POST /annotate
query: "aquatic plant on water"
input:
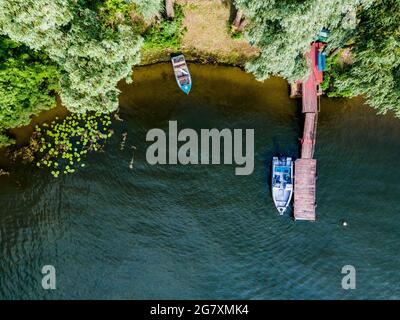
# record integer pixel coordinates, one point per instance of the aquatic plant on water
(61, 146)
(4, 173)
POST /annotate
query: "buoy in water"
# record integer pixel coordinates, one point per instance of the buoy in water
(344, 223)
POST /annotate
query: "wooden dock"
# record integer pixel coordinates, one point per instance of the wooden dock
(309, 135)
(305, 169)
(305, 189)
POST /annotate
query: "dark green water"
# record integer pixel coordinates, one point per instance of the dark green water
(200, 231)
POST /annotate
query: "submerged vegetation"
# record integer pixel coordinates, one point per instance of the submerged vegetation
(61, 146)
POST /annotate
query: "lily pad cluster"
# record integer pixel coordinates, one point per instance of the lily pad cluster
(63, 145)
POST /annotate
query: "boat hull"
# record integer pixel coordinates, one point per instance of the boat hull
(182, 74)
(282, 183)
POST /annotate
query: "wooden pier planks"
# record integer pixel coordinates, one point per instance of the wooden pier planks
(309, 88)
(305, 171)
(309, 136)
(315, 77)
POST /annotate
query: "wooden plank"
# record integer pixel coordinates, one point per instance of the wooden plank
(309, 88)
(305, 169)
(316, 47)
(309, 135)
(304, 189)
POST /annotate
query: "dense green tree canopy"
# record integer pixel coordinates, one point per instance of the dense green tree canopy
(83, 48)
(92, 55)
(375, 68)
(28, 81)
(147, 8)
(283, 31)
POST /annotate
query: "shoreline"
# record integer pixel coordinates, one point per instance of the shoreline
(23, 134)
(205, 41)
(153, 57)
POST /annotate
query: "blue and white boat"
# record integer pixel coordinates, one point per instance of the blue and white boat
(282, 182)
(182, 74)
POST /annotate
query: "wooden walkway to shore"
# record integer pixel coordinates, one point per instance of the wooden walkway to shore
(309, 135)
(305, 169)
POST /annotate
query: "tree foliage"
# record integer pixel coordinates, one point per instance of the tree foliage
(166, 33)
(375, 69)
(147, 8)
(95, 60)
(92, 56)
(28, 81)
(135, 12)
(283, 31)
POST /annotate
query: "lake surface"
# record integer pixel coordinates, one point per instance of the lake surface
(200, 231)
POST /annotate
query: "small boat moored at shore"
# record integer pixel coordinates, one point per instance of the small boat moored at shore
(282, 182)
(181, 72)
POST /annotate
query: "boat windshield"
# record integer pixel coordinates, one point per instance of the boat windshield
(178, 59)
(282, 169)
